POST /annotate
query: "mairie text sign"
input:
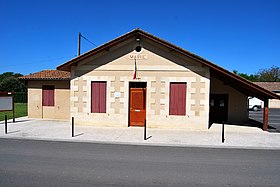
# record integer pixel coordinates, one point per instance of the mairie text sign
(138, 56)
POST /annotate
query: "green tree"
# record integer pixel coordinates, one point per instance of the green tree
(9, 82)
(5, 75)
(252, 77)
(9, 74)
(12, 84)
(264, 75)
(270, 74)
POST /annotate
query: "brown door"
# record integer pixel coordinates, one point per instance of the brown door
(218, 108)
(137, 106)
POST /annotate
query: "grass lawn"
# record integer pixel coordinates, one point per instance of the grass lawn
(20, 110)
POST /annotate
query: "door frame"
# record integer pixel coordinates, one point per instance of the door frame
(226, 102)
(131, 86)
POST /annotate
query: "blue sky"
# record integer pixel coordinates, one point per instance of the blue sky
(236, 34)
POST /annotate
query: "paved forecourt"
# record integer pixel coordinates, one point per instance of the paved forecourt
(235, 136)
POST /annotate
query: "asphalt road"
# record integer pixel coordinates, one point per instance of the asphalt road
(273, 118)
(42, 163)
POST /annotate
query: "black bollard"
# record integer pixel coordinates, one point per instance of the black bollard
(73, 127)
(14, 116)
(145, 129)
(6, 124)
(223, 132)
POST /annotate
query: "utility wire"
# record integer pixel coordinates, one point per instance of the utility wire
(43, 61)
(88, 40)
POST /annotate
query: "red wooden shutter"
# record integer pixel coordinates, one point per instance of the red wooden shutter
(172, 99)
(51, 97)
(48, 95)
(44, 97)
(94, 97)
(177, 98)
(181, 99)
(98, 97)
(102, 97)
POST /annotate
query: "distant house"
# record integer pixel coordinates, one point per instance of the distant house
(138, 78)
(273, 87)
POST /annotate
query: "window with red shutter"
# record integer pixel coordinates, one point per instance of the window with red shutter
(177, 98)
(48, 95)
(98, 96)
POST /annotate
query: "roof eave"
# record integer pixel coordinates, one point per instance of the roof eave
(67, 66)
(44, 79)
(210, 65)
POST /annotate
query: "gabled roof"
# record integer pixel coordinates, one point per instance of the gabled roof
(271, 86)
(48, 75)
(226, 76)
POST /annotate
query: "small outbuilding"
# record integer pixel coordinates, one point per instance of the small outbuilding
(48, 94)
(138, 78)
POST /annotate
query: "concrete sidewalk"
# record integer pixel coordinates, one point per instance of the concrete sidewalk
(235, 136)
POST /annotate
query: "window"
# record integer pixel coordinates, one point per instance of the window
(48, 95)
(177, 98)
(98, 97)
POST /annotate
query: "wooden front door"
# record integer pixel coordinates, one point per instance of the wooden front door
(137, 105)
(218, 108)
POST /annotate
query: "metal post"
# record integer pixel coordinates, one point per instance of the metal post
(14, 116)
(145, 129)
(6, 124)
(13, 107)
(73, 127)
(223, 132)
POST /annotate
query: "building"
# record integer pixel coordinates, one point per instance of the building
(138, 78)
(48, 94)
(273, 87)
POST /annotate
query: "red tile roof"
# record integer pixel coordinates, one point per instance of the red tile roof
(48, 75)
(271, 86)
